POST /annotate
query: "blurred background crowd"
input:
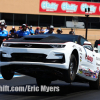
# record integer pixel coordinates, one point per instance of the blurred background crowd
(26, 30)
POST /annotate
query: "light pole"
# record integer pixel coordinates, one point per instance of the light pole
(87, 15)
(75, 22)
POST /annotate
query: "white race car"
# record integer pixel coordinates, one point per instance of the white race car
(51, 57)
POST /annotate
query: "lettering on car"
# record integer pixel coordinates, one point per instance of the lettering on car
(89, 58)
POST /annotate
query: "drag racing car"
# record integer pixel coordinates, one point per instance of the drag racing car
(51, 57)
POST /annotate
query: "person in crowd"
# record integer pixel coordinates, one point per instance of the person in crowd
(3, 33)
(23, 32)
(31, 30)
(27, 28)
(20, 28)
(13, 30)
(41, 30)
(72, 32)
(37, 31)
(51, 30)
(59, 31)
(12, 35)
(6, 27)
(46, 30)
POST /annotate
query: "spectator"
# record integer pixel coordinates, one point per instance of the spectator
(72, 32)
(51, 29)
(46, 30)
(3, 33)
(12, 35)
(5, 26)
(20, 28)
(31, 30)
(37, 31)
(23, 32)
(41, 30)
(59, 31)
(13, 30)
(27, 28)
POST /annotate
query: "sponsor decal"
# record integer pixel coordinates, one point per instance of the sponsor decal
(97, 68)
(62, 6)
(99, 8)
(85, 5)
(80, 53)
(89, 58)
(80, 58)
(65, 6)
(45, 5)
(88, 72)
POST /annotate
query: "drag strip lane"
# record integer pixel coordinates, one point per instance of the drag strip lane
(75, 91)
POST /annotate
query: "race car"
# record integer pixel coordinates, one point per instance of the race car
(51, 57)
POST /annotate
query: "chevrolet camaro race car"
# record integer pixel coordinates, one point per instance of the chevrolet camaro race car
(65, 57)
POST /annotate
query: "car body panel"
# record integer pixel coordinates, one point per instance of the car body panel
(88, 62)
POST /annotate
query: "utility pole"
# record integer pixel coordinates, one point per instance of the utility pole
(87, 15)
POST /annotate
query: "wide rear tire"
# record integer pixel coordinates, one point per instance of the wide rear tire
(71, 72)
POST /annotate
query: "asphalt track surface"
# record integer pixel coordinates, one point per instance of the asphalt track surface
(74, 91)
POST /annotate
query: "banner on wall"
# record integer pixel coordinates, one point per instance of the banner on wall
(73, 7)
